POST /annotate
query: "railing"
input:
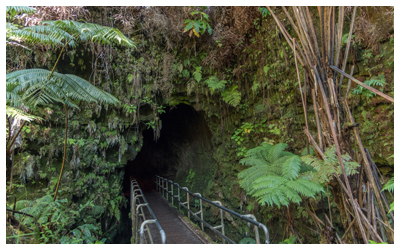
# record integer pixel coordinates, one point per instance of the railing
(162, 186)
(136, 205)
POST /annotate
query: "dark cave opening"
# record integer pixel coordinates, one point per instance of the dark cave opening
(182, 125)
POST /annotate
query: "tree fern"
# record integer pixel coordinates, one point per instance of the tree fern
(275, 176)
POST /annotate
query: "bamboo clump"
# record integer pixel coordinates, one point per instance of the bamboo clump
(325, 64)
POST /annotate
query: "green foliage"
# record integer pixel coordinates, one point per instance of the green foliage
(190, 176)
(198, 26)
(374, 242)
(264, 12)
(276, 177)
(64, 88)
(327, 168)
(389, 186)
(290, 240)
(197, 74)
(247, 241)
(129, 108)
(215, 85)
(232, 96)
(373, 82)
(82, 234)
(13, 10)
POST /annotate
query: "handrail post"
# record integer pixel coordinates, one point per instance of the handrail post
(172, 193)
(251, 216)
(201, 211)
(134, 215)
(179, 197)
(137, 219)
(222, 220)
(187, 201)
(142, 229)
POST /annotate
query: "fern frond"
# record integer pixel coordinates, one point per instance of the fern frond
(40, 90)
(291, 167)
(19, 114)
(276, 151)
(389, 186)
(305, 187)
(92, 32)
(20, 9)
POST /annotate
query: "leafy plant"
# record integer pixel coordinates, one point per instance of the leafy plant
(247, 241)
(327, 168)
(276, 177)
(389, 186)
(232, 96)
(215, 85)
(290, 240)
(198, 26)
(373, 82)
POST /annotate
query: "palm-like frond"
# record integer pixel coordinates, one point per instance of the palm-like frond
(273, 177)
(19, 114)
(20, 9)
(60, 88)
(91, 32)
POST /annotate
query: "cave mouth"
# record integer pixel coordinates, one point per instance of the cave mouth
(183, 129)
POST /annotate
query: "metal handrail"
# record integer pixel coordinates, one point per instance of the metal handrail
(136, 193)
(248, 218)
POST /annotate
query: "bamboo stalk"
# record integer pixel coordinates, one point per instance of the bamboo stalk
(363, 84)
(339, 35)
(317, 118)
(347, 47)
(349, 228)
(349, 83)
(319, 151)
(348, 220)
(330, 224)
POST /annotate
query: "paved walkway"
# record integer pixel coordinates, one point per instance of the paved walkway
(176, 231)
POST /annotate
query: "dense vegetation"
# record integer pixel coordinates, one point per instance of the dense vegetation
(295, 143)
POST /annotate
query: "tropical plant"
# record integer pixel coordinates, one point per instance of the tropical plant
(275, 176)
(232, 96)
(198, 26)
(389, 186)
(215, 85)
(329, 167)
(373, 82)
(42, 86)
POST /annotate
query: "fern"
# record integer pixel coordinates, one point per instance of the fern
(373, 82)
(327, 168)
(40, 210)
(215, 85)
(13, 10)
(275, 176)
(63, 88)
(232, 96)
(19, 114)
(389, 186)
